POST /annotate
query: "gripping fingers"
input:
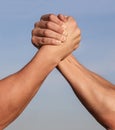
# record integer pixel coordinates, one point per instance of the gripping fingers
(44, 41)
(53, 18)
(62, 17)
(49, 25)
(48, 34)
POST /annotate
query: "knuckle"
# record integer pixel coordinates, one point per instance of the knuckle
(51, 16)
(45, 33)
(33, 32)
(48, 24)
(52, 41)
(33, 39)
(60, 30)
(43, 40)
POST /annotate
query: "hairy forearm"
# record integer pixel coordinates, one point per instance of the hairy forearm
(96, 93)
(17, 90)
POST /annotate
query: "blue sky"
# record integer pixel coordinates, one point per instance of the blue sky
(55, 106)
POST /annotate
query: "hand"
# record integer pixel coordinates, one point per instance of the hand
(48, 31)
(72, 31)
(57, 30)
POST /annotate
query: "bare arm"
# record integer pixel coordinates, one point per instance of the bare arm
(17, 90)
(96, 93)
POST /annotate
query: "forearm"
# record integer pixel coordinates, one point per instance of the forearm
(95, 93)
(17, 90)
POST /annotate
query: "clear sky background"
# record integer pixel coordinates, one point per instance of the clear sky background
(56, 107)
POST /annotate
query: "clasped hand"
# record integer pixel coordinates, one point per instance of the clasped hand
(62, 32)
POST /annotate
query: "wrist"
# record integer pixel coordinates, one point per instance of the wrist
(49, 55)
(68, 58)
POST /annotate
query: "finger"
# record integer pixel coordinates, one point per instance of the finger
(49, 25)
(62, 17)
(49, 34)
(53, 18)
(44, 41)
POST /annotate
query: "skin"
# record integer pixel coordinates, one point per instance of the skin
(95, 93)
(17, 90)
